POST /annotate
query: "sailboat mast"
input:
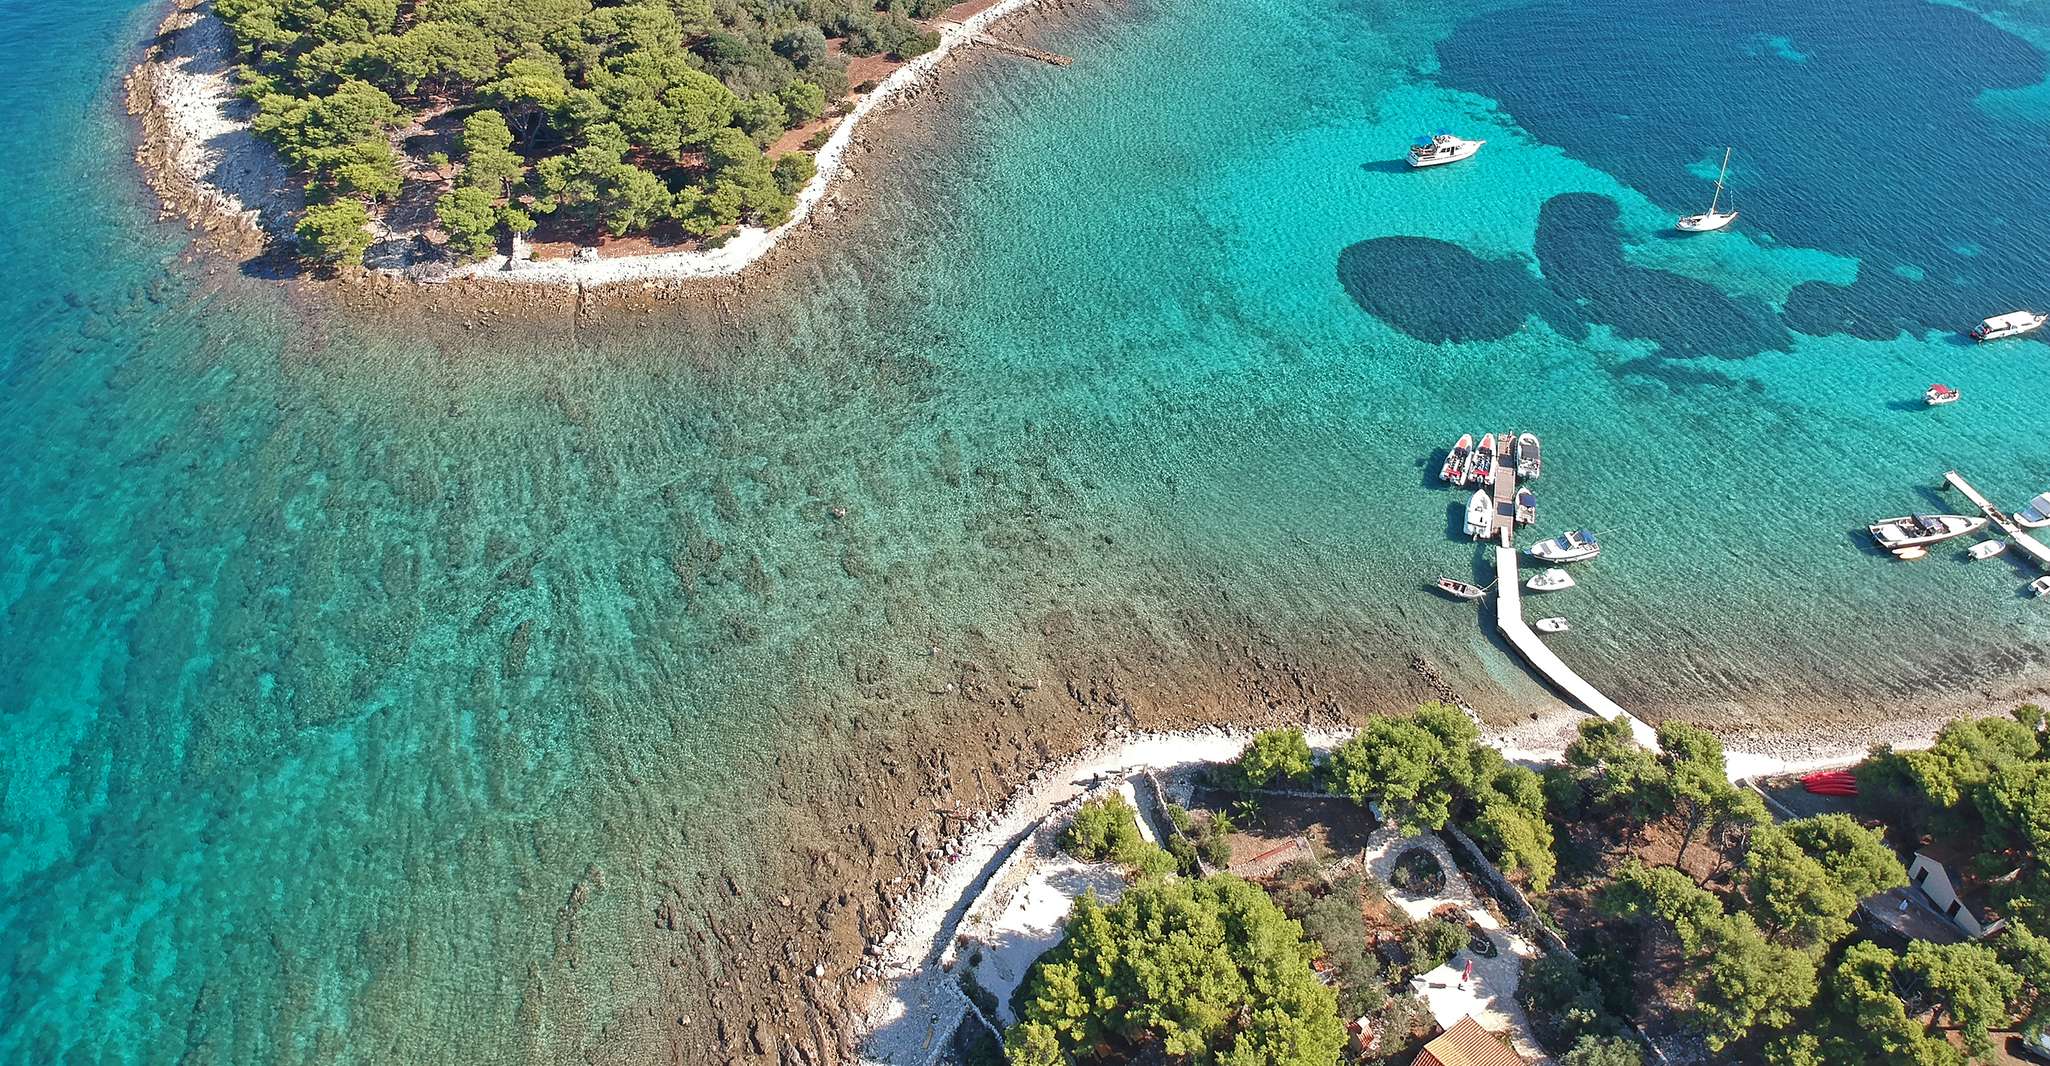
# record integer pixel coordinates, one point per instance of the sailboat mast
(1718, 197)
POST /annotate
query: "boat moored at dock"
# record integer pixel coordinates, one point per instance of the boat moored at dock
(1457, 589)
(1480, 515)
(1528, 463)
(1922, 530)
(2011, 324)
(1551, 625)
(1455, 461)
(1986, 549)
(2041, 586)
(2036, 515)
(1526, 507)
(1441, 148)
(1550, 580)
(1573, 547)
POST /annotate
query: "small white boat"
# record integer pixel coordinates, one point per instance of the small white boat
(2041, 586)
(1441, 148)
(1480, 515)
(1551, 625)
(1464, 590)
(1550, 580)
(1568, 548)
(2036, 515)
(1455, 461)
(1528, 463)
(1711, 219)
(1986, 549)
(2011, 324)
(1921, 530)
(1526, 507)
(1940, 394)
(1909, 555)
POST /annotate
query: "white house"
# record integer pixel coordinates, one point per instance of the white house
(1950, 894)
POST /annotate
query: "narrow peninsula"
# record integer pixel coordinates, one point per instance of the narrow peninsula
(548, 141)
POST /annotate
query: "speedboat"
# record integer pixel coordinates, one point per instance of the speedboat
(1551, 625)
(1455, 463)
(1940, 394)
(1441, 148)
(1550, 580)
(2036, 515)
(1480, 515)
(1463, 590)
(1528, 467)
(2041, 586)
(2011, 324)
(1526, 507)
(1921, 530)
(1482, 468)
(1711, 219)
(1986, 549)
(1567, 548)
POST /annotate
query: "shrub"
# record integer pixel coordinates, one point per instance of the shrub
(1103, 830)
(335, 233)
(1432, 943)
(1277, 754)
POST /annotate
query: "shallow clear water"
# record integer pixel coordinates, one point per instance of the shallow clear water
(334, 665)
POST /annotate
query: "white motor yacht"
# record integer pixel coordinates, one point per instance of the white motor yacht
(1549, 580)
(1480, 515)
(1568, 548)
(1529, 464)
(2036, 515)
(1921, 530)
(1441, 148)
(2011, 324)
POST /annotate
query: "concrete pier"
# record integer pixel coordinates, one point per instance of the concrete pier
(2035, 549)
(1509, 620)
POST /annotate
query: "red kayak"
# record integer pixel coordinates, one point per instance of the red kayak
(1831, 783)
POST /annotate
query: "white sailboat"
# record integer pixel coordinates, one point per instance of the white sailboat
(1711, 219)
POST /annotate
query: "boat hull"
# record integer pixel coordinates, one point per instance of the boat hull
(1891, 535)
(1984, 334)
(1439, 159)
(1705, 223)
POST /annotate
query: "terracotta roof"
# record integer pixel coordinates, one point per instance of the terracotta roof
(1467, 1044)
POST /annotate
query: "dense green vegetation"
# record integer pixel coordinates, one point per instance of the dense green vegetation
(1106, 829)
(613, 115)
(1429, 767)
(1688, 901)
(1210, 970)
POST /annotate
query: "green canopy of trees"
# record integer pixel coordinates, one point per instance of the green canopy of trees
(1428, 767)
(1277, 754)
(620, 114)
(1212, 970)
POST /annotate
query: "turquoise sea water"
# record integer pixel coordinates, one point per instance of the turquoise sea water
(357, 698)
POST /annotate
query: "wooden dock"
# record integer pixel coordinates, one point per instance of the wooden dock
(1509, 620)
(1505, 497)
(2035, 549)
